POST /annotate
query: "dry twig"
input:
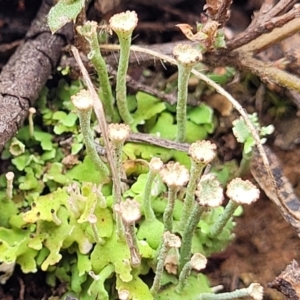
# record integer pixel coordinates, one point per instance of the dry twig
(219, 89)
(98, 108)
(264, 21)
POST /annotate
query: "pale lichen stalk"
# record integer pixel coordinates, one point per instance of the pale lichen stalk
(185, 251)
(118, 133)
(186, 57)
(201, 153)
(89, 31)
(130, 211)
(155, 166)
(92, 219)
(239, 192)
(255, 290)
(32, 111)
(209, 194)
(175, 176)
(123, 25)
(169, 241)
(9, 185)
(197, 262)
(84, 104)
(168, 213)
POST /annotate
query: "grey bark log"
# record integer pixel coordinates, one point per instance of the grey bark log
(27, 71)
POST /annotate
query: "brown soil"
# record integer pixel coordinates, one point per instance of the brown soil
(264, 245)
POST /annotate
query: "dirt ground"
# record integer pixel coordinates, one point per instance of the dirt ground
(264, 245)
(264, 242)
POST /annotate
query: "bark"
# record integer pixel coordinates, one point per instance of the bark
(288, 282)
(27, 71)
